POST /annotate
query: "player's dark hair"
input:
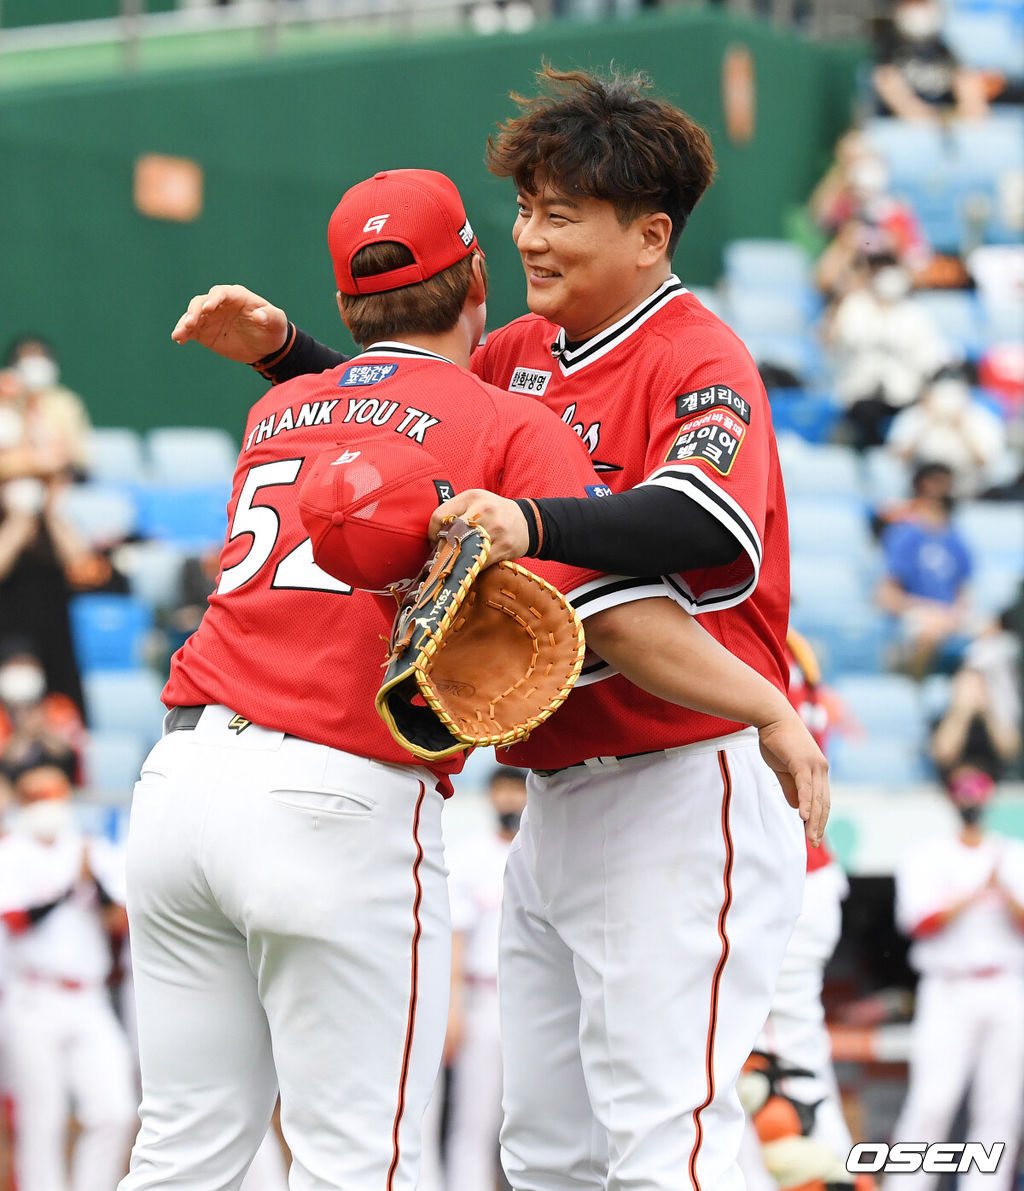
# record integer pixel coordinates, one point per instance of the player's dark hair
(506, 773)
(606, 139)
(428, 307)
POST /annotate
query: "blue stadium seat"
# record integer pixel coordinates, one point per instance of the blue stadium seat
(996, 586)
(848, 637)
(811, 415)
(802, 355)
(116, 455)
(111, 760)
(830, 527)
(956, 316)
(191, 456)
(154, 572)
(124, 701)
(994, 530)
(831, 583)
(886, 477)
(884, 762)
(760, 311)
(765, 263)
(823, 471)
(102, 513)
(883, 705)
(989, 37)
(109, 630)
(193, 518)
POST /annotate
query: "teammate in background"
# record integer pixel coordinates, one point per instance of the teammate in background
(326, 933)
(61, 902)
(622, 1048)
(477, 871)
(795, 1035)
(961, 901)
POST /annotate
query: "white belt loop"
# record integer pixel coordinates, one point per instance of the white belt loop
(599, 762)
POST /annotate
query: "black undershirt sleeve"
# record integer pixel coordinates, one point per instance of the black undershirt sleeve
(300, 354)
(650, 530)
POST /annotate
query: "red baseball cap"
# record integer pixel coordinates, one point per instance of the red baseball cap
(421, 209)
(366, 504)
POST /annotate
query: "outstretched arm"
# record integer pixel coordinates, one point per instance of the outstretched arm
(233, 322)
(240, 325)
(661, 648)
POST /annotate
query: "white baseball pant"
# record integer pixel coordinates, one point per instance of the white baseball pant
(290, 930)
(647, 907)
(967, 1030)
(66, 1043)
(796, 1030)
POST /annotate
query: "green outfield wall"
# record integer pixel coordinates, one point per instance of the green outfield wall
(279, 140)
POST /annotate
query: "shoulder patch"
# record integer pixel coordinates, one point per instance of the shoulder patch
(714, 437)
(714, 396)
(366, 374)
(598, 490)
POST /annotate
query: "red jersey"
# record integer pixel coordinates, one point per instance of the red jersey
(668, 395)
(288, 646)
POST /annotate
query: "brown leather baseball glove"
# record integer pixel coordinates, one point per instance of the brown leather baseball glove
(479, 655)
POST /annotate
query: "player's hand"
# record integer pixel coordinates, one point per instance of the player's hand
(789, 749)
(503, 519)
(233, 322)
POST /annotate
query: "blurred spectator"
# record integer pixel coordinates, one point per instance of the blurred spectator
(916, 75)
(961, 901)
(980, 730)
(852, 206)
(948, 426)
(885, 349)
(927, 568)
(30, 715)
(56, 419)
(61, 901)
(37, 548)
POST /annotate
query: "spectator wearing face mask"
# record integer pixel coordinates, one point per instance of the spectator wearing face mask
(41, 557)
(948, 426)
(61, 900)
(853, 207)
(56, 419)
(927, 570)
(30, 714)
(884, 348)
(916, 75)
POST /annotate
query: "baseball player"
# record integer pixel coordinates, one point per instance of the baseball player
(795, 1034)
(60, 895)
(287, 884)
(961, 901)
(477, 870)
(622, 1046)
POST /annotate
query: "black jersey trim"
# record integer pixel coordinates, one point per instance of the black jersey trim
(569, 360)
(389, 348)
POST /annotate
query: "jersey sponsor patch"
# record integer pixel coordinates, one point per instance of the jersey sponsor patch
(529, 380)
(714, 437)
(598, 490)
(714, 396)
(366, 374)
(444, 489)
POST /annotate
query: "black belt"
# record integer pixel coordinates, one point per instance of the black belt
(597, 761)
(183, 719)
